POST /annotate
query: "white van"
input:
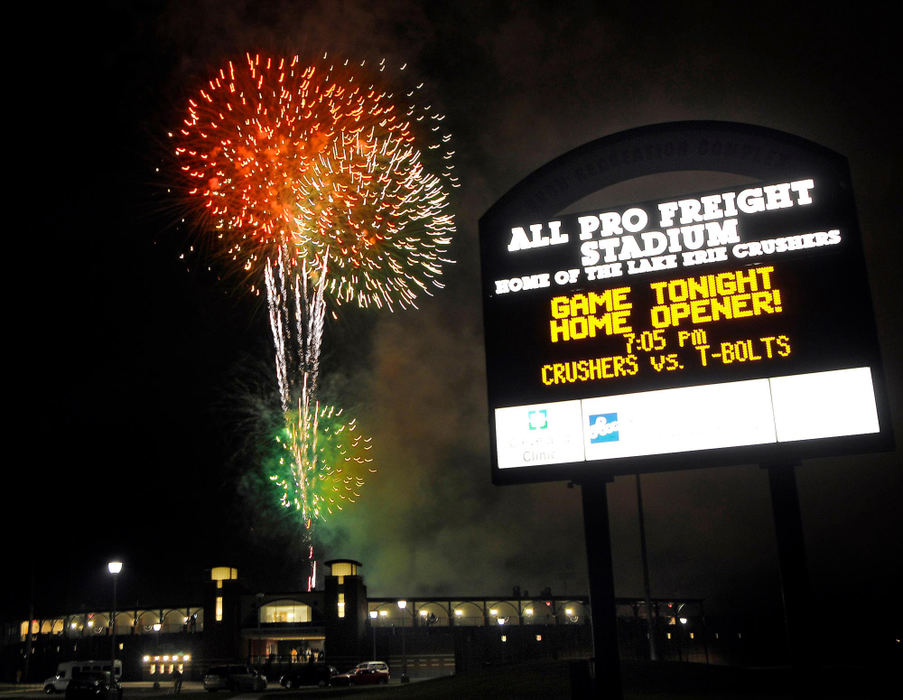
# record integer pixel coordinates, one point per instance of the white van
(66, 669)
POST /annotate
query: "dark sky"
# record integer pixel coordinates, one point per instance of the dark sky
(135, 375)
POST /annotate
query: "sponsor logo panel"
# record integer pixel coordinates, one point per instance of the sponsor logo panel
(539, 434)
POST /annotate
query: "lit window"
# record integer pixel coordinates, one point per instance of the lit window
(341, 605)
(219, 608)
(223, 573)
(285, 611)
(341, 569)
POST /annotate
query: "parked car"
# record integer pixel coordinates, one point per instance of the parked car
(93, 685)
(66, 669)
(366, 673)
(308, 674)
(234, 677)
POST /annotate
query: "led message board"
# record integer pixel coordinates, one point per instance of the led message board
(713, 327)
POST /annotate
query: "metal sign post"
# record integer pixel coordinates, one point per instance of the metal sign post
(607, 672)
(796, 588)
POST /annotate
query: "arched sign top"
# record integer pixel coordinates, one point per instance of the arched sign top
(712, 327)
(718, 146)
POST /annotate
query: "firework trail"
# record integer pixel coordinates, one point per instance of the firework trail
(322, 182)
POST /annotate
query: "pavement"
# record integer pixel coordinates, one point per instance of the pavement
(129, 687)
(146, 690)
(549, 680)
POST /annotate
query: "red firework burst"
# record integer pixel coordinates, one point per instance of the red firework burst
(326, 163)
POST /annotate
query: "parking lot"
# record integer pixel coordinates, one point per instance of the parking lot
(146, 691)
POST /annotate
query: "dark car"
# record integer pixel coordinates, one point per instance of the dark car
(308, 674)
(93, 685)
(366, 673)
(234, 677)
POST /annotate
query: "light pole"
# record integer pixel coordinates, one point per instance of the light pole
(157, 627)
(114, 567)
(402, 604)
(373, 615)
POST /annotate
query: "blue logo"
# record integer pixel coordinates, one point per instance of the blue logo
(603, 427)
(539, 420)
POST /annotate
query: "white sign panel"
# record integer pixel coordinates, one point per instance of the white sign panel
(731, 414)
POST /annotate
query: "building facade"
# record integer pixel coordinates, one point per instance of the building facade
(338, 624)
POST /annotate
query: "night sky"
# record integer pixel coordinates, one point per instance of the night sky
(137, 371)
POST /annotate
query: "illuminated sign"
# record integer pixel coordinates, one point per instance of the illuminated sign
(720, 326)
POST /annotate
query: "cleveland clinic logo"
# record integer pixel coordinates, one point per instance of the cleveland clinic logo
(538, 420)
(603, 427)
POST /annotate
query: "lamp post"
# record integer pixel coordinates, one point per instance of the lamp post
(114, 567)
(402, 604)
(157, 627)
(373, 615)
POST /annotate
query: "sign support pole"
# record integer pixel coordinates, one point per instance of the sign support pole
(796, 587)
(650, 620)
(607, 676)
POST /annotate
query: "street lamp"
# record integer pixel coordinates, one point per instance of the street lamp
(402, 604)
(114, 567)
(373, 615)
(157, 628)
